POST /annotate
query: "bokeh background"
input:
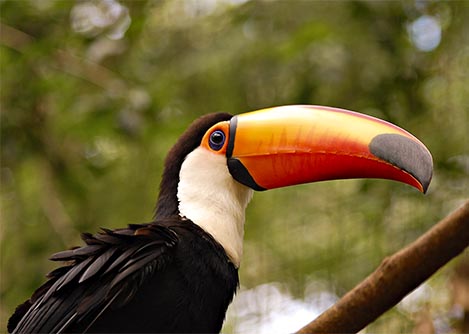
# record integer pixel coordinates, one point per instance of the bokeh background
(95, 92)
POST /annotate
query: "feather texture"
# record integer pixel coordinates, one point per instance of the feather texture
(99, 271)
(168, 267)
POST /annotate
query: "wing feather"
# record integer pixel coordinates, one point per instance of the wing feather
(144, 260)
(73, 273)
(98, 264)
(107, 271)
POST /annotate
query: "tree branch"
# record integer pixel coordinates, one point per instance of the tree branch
(396, 276)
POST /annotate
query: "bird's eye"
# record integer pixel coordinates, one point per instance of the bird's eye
(217, 139)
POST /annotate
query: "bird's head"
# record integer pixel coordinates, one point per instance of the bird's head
(217, 163)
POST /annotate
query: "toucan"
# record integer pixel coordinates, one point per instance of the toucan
(179, 273)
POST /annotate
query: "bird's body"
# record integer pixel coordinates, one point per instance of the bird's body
(193, 287)
(179, 273)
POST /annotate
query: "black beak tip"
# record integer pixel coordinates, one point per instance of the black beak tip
(406, 154)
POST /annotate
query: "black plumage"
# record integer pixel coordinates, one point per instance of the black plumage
(165, 276)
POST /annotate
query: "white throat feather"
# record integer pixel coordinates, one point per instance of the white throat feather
(210, 197)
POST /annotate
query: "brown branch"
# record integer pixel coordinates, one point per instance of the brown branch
(14, 38)
(397, 275)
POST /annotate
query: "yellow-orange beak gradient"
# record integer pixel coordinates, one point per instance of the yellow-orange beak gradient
(289, 145)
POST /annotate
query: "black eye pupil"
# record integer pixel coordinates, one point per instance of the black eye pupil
(217, 139)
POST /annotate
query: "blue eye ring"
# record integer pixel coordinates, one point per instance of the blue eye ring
(217, 140)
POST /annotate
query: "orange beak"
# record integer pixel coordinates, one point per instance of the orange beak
(289, 145)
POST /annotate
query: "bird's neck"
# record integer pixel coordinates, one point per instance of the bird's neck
(212, 199)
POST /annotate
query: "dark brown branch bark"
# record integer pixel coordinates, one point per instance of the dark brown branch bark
(397, 275)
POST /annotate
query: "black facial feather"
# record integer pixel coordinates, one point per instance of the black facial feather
(167, 204)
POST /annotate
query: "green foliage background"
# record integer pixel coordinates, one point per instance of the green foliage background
(89, 110)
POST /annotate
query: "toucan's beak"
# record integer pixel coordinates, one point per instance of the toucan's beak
(289, 145)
